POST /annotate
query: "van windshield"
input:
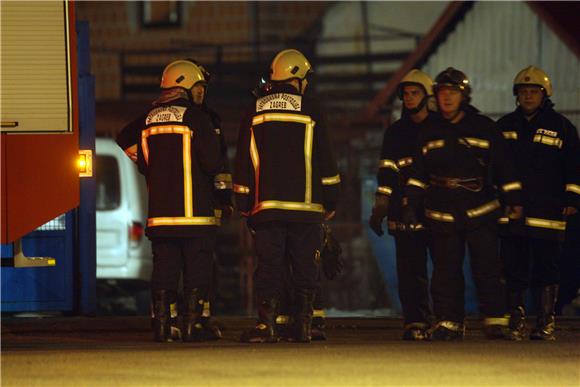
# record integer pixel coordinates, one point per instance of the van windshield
(107, 176)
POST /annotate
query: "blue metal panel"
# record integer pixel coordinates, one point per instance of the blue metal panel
(41, 288)
(86, 221)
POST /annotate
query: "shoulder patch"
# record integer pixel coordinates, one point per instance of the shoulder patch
(164, 114)
(279, 101)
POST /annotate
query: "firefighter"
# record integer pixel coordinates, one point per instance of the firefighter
(456, 167)
(547, 152)
(284, 319)
(176, 149)
(415, 90)
(286, 183)
(222, 192)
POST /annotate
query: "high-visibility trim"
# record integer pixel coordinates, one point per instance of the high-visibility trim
(546, 223)
(308, 141)
(290, 206)
(386, 163)
(256, 163)
(318, 313)
(218, 216)
(433, 145)
(440, 216)
(132, 152)
(384, 190)
(186, 134)
(162, 129)
(416, 183)
(478, 142)
(513, 186)
(282, 319)
(503, 220)
(182, 221)
(552, 141)
(223, 177)
(573, 188)
(223, 181)
(331, 180)
(187, 179)
(502, 321)
(404, 162)
(241, 189)
(512, 135)
(484, 209)
(284, 117)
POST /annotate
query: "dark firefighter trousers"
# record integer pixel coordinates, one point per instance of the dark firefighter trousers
(279, 243)
(448, 283)
(194, 257)
(411, 251)
(519, 253)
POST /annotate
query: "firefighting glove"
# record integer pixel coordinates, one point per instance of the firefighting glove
(410, 217)
(330, 256)
(379, 213)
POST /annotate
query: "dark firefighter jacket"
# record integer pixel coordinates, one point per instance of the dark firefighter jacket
(468, 150)
(223, 186)
(397, 152)
(547, 154)
(178, 152)
(285, 167)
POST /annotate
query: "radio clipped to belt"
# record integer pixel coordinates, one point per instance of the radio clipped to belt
(474, 184)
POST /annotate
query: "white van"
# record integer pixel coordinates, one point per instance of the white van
(123, 250)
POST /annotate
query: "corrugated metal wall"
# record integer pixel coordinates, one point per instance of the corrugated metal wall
(494, 42)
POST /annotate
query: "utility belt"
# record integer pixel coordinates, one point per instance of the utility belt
(474, 184)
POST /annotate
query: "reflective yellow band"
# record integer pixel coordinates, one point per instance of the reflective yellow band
(227, 177)
(496, 321)
(416, 183)
(318, 313)
(398, 226)
(440, 216)
(478, 142)
(206, 309)
(256, 163)
(405, 162)
(433, 145)
(182, 221)
(241, 189)
(573, 188)
(503, 220)
(283, 117)
(290, 206)
(384, 190)
(482, 210)
(132, 152)
(557, 142)
(546, 223)
(218, 216)
(510, 135)
(308, 141)
(331, 180)
(515, 185)
(187, 179)
(388, 164)
(282, 319)
(163, 129)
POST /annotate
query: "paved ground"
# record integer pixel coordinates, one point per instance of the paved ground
(115, 351)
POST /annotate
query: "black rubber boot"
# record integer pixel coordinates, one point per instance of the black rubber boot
(517, 325)
(415, 331)
(496, 328)
(161, 316)
(447, 331)
(546, 322)
(283, 325)
(318, 328)
(192, 329)
(303, 317)
(264, 331)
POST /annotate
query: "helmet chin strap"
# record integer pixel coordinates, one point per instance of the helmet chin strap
(419, 107)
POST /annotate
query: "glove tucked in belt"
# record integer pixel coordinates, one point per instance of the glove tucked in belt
(474, 184)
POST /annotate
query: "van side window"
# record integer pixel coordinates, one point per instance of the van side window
(108, 183)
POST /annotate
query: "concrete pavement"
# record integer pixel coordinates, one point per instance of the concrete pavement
(113, 351)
